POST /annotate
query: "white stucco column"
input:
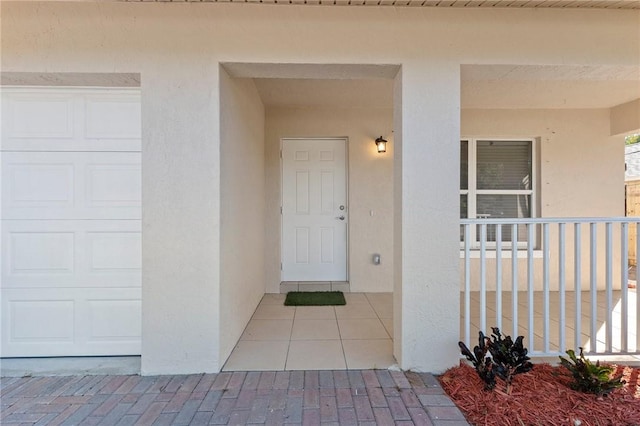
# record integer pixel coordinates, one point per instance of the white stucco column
(180, 217)
(426, 230)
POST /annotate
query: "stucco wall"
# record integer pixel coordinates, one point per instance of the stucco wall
(576, 178)
(370, 186)
(577, 156)
(241, 207)
(89, 36)
(425, 209)
(397, 217)
(180, 219)
(176, 49)
(625, 118)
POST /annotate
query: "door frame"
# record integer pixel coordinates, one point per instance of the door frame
(346, 189)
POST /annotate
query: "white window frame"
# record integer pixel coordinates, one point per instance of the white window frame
(472, 192)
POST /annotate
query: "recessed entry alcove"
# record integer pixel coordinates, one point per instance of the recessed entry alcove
(288, 130)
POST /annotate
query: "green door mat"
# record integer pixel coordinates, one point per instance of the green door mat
(314, 298)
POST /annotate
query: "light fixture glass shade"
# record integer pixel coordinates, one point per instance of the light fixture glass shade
(381, 144)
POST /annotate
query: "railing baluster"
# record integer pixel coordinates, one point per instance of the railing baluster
(483, 277)
(545, 285)
(609, 283)
(624, 287)
(577, 285)
(467, 285)
(514, 279)
(561, 286)
(499, 276)
(490, 237)
(593, 330)
(530, 283)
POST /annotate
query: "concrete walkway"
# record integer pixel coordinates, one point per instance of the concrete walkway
(354, 397)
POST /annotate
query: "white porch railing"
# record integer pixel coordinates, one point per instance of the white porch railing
(560, 282)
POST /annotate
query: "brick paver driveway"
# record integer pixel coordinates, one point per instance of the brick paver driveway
(365, 397)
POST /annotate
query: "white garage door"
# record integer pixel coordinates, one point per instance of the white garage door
(71, 207)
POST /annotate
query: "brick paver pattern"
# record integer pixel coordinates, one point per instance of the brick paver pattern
(353, 397)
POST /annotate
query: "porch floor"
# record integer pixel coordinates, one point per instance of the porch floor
(359, 335)
(554, 324)
(355, 336)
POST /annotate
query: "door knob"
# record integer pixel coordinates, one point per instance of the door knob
(340, 217)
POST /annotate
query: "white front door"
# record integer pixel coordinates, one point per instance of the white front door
(314, 210)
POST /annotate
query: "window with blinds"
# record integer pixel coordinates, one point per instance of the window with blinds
(496, 181)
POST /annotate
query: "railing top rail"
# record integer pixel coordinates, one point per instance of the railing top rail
(550, 220)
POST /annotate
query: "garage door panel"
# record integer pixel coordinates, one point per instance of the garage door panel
(37, 253)
(71, 185)
(102, 111)
(70, 322)
(114, 251)
(114, 185)
(34, 185)
(30, 116)
(62, 253)
(41, 320)
(114, 320)
(37, 119)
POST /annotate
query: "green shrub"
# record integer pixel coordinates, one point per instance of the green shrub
(589, 377)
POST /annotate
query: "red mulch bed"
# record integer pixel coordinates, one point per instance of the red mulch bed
(542, 397)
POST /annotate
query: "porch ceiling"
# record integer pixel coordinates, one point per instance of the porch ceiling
(482, 86)
(548, 86)
(576, 4)
(284, 92)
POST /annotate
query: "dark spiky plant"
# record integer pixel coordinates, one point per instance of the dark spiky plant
(589, 377)
(508, 358)
(480, 360)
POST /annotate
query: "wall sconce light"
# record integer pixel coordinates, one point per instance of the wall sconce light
(381, 144)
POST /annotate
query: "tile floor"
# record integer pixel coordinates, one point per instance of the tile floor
(355, 336)
(584, 319)
(359, 335)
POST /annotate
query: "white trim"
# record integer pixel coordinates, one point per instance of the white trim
(538, 220)
(503, 192)
(28, 89)
(506, 254)
(472, 192)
